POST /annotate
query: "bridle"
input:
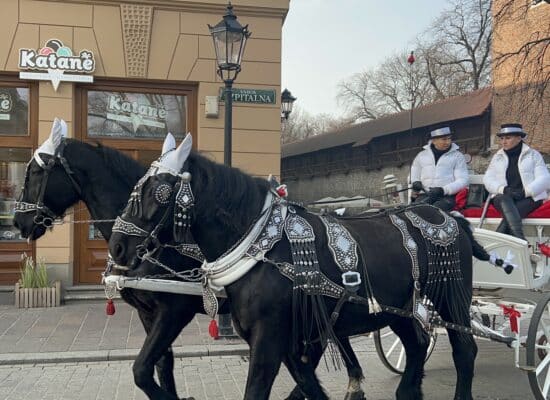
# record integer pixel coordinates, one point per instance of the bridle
(44, 216)
(178, 204)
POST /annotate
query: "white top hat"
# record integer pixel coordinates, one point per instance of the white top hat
(445, 131)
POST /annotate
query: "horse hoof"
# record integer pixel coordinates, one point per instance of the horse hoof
(355, 396)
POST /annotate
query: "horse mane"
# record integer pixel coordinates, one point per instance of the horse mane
(243, 195)
(124, 167)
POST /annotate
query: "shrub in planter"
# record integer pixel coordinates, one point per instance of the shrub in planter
(34, 288)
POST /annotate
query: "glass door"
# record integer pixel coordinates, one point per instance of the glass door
(134, 120)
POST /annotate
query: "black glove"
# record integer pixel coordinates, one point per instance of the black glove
(436, 193)
(514, 193)
(417, 186)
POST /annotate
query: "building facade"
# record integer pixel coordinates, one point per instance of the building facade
(154, 69)
(521, 81)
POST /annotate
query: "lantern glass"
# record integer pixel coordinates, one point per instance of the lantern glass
(229, 38)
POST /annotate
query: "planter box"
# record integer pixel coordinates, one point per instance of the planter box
(38, 297)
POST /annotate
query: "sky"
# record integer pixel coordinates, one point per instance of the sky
(327, 41)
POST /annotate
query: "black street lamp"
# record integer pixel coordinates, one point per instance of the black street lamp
(229, 41)
(287, 101)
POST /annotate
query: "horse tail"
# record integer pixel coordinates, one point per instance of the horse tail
(478, 250)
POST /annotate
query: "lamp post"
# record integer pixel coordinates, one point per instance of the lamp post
(229, 38)
(229, 42)
(287, 101)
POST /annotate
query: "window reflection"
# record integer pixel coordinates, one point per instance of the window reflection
(13, 163)
(14, 111)
(141, 115)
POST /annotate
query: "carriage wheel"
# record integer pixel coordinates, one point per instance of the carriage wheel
(392, 352)
(538, 350)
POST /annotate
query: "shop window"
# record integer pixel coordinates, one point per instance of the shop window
(13, 163)
(113, 114)
(14, 111)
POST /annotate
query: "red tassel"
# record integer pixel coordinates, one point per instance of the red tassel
(110, 309)
(513, 314)
(213, 329)
(544, 249)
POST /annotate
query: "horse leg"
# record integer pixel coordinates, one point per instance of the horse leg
(416, 348)
(355, 373)
(304, 374)
(165, 371)
(267, 348)
(165, 365)
(163, 332)
(464, 355)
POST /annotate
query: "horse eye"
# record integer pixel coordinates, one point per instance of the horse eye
(162, 193)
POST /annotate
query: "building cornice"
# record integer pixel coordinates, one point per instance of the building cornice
(191, 6)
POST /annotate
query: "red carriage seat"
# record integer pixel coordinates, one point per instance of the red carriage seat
(541, 212)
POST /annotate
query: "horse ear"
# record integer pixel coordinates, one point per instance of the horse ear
(169, 143)
(57, 134)
(183, 151)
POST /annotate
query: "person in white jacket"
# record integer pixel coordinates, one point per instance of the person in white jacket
(439, 170)
(517, 177)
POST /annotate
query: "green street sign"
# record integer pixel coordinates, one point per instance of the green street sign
(257, 96)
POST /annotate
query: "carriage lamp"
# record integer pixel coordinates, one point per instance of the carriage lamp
(229, 38)
(287, 101)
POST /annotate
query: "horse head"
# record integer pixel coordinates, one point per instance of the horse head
(153, 201)
(47, 192)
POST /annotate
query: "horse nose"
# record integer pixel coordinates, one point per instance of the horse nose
(118, 251)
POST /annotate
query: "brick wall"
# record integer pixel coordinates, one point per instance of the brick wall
(513, 85)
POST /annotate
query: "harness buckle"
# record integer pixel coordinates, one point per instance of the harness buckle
(351, 280)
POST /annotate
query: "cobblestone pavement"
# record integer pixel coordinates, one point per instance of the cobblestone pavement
(223, 377)
(83, 327)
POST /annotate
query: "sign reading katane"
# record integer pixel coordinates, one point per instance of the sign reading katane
(54, 59)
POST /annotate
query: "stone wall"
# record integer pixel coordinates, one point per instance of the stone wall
(359, 183)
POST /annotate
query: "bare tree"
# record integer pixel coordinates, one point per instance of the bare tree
(453, 57)
(522, 66)
(302, 125)
(456, 48)
(386, 89)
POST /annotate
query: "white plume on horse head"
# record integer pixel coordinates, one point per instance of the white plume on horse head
(172, 162)
(57, 134)
(169, 143)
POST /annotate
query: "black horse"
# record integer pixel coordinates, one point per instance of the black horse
(228, 202)
(103, 178)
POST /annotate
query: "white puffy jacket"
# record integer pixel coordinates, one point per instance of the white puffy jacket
(532, 170)
(450, 173)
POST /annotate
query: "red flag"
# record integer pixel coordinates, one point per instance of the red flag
(411, 58)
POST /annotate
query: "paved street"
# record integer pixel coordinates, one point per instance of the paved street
(68, 352)
(223, 378)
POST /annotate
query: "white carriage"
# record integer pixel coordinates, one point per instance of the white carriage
(500, 308)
